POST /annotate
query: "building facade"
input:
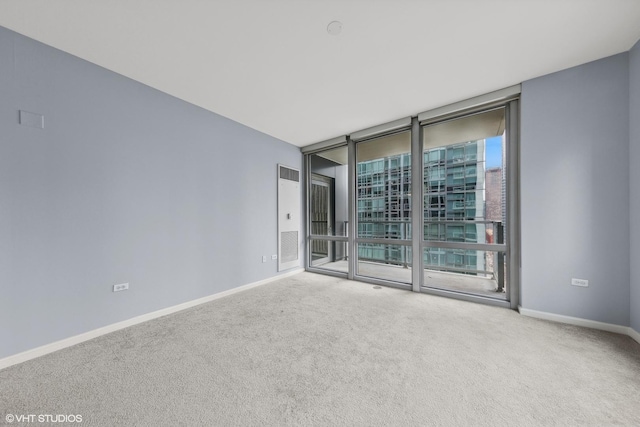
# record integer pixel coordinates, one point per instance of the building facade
(454, 206)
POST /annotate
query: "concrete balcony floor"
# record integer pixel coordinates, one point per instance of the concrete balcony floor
(466, 283)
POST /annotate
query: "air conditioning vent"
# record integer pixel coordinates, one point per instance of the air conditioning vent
(289, 246)
(290, 174)
(288, 218)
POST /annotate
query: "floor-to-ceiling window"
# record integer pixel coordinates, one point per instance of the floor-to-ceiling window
(465, 204)
(427, 203)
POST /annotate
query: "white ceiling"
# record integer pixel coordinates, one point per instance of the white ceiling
(271, 65)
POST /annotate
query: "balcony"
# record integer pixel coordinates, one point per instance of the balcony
(472, 271)
(450, 281)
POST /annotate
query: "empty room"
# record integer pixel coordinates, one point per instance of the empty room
(298, 212)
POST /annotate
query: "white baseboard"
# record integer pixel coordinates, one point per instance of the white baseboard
(77, 339)
(609, 327)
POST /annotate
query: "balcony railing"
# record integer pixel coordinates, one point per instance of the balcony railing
(492, 264)
(448, 259)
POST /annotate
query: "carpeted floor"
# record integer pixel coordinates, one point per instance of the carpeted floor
(316, 350)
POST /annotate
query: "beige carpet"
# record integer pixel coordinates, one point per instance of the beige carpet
(316, 350)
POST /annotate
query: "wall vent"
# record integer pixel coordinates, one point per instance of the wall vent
(290, 174)
(289, 248)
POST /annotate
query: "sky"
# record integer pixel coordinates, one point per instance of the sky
(493, 152)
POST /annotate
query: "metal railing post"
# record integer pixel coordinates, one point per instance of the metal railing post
(404, 248)
(500, 239)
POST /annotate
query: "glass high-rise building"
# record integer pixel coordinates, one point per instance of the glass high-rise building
(454, 205)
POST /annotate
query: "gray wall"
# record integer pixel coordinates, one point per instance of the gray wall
(634, 199)
(575, 191)
(124, 184)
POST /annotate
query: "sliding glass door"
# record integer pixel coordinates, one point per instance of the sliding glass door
(321, 217)
(383, 202)
(328, 216)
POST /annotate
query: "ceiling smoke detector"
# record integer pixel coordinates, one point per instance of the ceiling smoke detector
(334, 28)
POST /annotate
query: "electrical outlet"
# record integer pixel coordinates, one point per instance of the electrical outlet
(580, 282)
(120, 287)
(274, 256)
(264, 258)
